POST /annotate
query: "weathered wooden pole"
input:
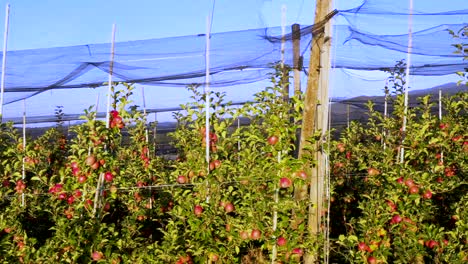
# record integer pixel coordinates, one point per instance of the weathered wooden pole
(316, 111)
(296, 41)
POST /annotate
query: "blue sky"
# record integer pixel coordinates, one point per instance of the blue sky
(55, 23)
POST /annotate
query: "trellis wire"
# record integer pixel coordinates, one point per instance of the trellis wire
(5, 47)
(189, 185)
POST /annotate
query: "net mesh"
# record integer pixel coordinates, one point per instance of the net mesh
(238, 59)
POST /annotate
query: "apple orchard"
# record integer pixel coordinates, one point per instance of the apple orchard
(103, 195)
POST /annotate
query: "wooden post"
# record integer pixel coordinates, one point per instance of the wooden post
(347, 115)
(316, 113)
(296, 40)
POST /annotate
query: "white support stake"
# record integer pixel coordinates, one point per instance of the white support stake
(146, 117)
(207, 101)
(408, 65)
(440, 104)
(155, 131)
(146, 138)
(276, 196)
(283, 33)
(5, 48)
(23, 200)
(207, 94)
(97, 106)
(111, 69)
(385, 114)
(440, 118)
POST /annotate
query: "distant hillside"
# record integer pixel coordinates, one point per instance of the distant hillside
(358, 108)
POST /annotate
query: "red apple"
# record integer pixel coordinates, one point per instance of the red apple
(78, 193)
(272, 140)
(255, 234)
(88, 203)
(90, 160)
(82, 178)
(244, 235)
(340, 147)
(371, 260)
(76, 171)
(108, 176)
(285, 182)
(431, 244)
(449, 171)
(213, 137)
(414, 189)
(396, 219)
(281, 241)
(114, 113)
(229, 207)
(443, 126)
(297, 251)
(182, 179)
(348, 155)
(96, 256)
(217, 164)
(392, 206)
(212, 166)
(446, 242)
(95, 166)
(409, 182)
(213, 257)
(301, 174)
(70, 199)
(62, 196)
(198, 210)
(74, 165)
(6, 183)
(363, 246)
(373, 172)
(339, 165)
(427, 194)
